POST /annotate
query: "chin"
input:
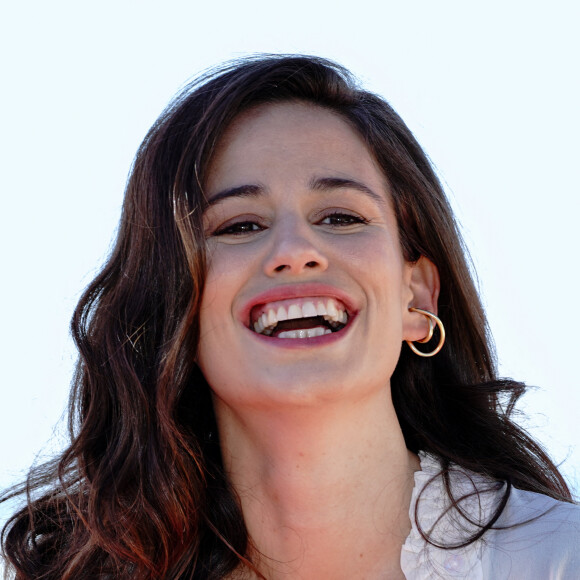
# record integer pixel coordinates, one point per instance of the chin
(304, 385)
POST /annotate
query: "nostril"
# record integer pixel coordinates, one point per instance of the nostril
(282, 267)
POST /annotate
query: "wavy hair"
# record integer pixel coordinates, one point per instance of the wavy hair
(140, 492)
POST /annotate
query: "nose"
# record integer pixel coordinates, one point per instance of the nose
(295, 250)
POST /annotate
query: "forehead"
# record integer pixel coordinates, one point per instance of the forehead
(290, 116)
(285, 136)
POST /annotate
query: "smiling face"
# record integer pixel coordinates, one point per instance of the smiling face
(307, 292)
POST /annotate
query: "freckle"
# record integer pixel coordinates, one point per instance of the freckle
(360, 555)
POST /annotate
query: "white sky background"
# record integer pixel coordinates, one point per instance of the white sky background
(490, 89)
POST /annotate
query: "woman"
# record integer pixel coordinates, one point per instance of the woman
(252, 398)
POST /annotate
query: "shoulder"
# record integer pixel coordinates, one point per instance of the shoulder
(535, 537)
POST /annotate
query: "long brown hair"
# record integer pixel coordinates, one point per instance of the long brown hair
(140, 492)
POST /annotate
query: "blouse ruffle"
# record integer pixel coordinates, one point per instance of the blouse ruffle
(477, 498)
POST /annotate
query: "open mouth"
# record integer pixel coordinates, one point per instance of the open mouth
(299, 318)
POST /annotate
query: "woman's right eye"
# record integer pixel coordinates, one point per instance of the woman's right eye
(238, 228)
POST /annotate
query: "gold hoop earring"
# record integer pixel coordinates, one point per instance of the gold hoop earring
(433, 320)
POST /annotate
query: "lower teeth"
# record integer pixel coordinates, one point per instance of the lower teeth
(304, 332)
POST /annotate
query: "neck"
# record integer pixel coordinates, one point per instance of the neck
(324, 492)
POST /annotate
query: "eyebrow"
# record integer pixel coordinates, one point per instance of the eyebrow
(315, 184)
(238, 191)
(330, 183)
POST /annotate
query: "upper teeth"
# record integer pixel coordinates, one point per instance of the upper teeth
(329, 308)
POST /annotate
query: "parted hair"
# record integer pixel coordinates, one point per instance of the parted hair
(140, 492)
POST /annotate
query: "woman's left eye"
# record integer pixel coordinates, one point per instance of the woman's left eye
(342, 219)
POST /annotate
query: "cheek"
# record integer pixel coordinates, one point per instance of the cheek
(221, 280)
(231, 264)
(215, 307)
(225, 277)
(380, 269)
(213, 343)
(230, 268)
(380, 264)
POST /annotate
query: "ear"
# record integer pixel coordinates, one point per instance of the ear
(423, 285)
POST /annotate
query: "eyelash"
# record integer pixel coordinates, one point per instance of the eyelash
(340, 215)
(244, 227)
(235, 229)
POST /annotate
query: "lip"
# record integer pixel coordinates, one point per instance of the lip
(289, 291)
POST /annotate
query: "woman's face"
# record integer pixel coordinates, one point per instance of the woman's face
(307, 292)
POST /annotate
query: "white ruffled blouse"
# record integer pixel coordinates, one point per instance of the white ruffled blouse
(535, 538)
